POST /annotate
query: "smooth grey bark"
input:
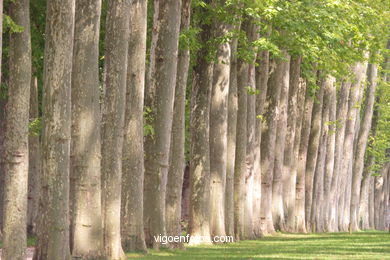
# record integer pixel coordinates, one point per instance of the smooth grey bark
(86, 233)
(289, 170)
(2, 124)
(53, 236)
(132, 227)
(277, 181)
(199, 223)
(16, 137)
(112, 133)
(34, 164)
(361, 145)
(341, 115)
(268, 143)
(231, 139)
(261, 86)
(218, 131)
(330, 156)
(177, 157)
(359, 72)
(241, 143)
(160, 100)
(312, 152)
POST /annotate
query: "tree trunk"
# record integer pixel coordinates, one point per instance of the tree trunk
(34, 163)
(299, 211)
(16, 137)
(261, 86)
(161, 101)
(268, 143)
(177, 156)
(361, 146)
(359, 71)
(3, 102)
(341, 115)
(218, 131)
(231, 139)
(277, 182)
(86, 213)
(241, 143)
(116, 49)
(199, 224)
(53, 236)
(312, 153)
(132, 226)
(289, 174)
(330, 155)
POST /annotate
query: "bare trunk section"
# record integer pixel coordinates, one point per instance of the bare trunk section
(231, 139)
(312, 153)
(341, 115)
(289, 173)
(16, 137)
(261, 86)
(116, 44)
(161, 102)
(218, 132)
(277, 182)
(132, 226)
(359, 71)
(53, 236)
(361, 146)
(330, 155)
(199, 224)
(268, 143)
(2, 124)
(177, 158)
(86, 210)
(34, 164)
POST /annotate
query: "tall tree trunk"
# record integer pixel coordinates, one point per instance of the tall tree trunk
(261, 86)
(132, 226)
(299, 211)
(361, 145)
(329, 163)
(161, 100)
(241, 143)
(34, 164)
(199, 224)
(359, 71)
(218, 131)
(289, 173)
(116, 49)
(53, 236)
(16, 137)
(312, 153)
(341, 115)
(2, 124)
(86, 210)
(277, 182)
(231, 139)
(268, 143)
(177, 156)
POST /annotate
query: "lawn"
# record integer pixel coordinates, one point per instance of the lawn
(360, 245)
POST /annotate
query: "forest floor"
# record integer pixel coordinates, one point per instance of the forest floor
(359, 245)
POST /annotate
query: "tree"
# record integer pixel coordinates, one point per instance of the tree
(132, 226)
(16, 138)
(177, 150)
(362, 144)
(199, 222)
(218, 129)
(116, 49)
(160, 101)
(53, 236)
(86, 238)
(2, 123)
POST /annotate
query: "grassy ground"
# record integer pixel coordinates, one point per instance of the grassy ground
(361, 245)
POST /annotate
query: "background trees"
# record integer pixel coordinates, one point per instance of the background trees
(280, 109)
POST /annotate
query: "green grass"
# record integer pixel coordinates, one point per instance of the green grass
(360, 245)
